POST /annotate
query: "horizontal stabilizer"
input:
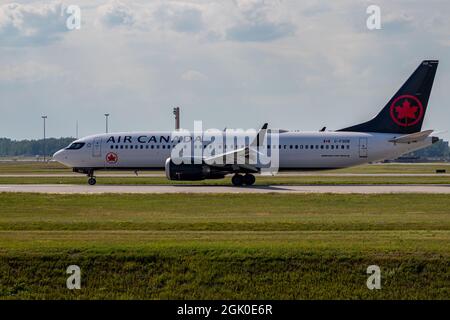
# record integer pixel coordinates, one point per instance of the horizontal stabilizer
(413, 137)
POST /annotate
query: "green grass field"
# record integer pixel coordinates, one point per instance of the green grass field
(189, 246)
(260, 180)
(52, 170)
(36, 167)
(30, 167)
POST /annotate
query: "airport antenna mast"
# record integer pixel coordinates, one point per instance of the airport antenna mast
(106, 122)
(176, 112)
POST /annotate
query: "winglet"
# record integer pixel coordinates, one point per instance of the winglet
(260, 136)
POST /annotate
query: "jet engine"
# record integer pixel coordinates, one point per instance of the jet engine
(191, 172)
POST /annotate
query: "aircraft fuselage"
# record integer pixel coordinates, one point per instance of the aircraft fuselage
(297, 150)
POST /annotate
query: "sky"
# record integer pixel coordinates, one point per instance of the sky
(232, 63)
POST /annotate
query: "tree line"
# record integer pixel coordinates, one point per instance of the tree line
(15, 148)
(439, 150)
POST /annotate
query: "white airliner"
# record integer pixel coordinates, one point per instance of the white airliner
(394, 131)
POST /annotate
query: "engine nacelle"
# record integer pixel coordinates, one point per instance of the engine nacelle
(190, 172)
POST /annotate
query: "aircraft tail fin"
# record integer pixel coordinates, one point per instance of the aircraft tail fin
(405, 111)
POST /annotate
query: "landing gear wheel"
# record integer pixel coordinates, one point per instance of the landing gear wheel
(249, 179)
(237, 180)
(92, 181)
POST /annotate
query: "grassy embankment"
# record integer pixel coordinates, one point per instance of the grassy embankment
(225, 246)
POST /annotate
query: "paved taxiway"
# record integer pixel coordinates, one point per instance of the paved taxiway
(281, 174)
(362, 189)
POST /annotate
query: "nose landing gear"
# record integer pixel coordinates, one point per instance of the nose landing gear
(239, 180)
(91, 180)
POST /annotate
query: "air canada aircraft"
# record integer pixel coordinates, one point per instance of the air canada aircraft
(394, 131)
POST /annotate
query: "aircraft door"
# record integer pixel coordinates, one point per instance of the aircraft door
(97, 148)
(363, 147)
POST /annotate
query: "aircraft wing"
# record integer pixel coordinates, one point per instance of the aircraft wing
(243, 158)
(413, 137)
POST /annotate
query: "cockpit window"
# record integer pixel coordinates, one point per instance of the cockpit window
(75, 146)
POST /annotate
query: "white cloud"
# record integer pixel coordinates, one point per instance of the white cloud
(31, 24)
(306, 62)
(116, 13)
(259, 20)
(260, 31)
(193, 75)
(29, 71)
(254, 20)
(180, 17)
(398, 22)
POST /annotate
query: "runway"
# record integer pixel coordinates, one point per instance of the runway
(281, 174)
(155, 189)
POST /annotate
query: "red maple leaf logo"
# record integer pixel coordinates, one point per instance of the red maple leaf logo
(111, 157)
(404, 113)
(406, 110)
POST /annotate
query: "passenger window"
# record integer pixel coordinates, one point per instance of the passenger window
(321, 146)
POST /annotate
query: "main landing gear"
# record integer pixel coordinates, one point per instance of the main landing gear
(239, 180)
(91, 179)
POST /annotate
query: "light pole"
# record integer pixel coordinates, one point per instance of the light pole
(176, 112)
(106, 118)
(44, 117)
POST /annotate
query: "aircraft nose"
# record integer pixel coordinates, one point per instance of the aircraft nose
(58, 156)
